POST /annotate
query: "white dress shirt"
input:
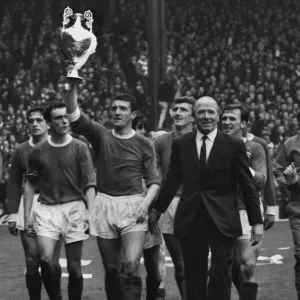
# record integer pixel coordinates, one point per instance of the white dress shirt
(209, 141)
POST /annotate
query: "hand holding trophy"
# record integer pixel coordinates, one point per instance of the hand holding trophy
(77, 43)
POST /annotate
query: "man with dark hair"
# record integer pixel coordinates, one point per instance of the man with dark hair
(119, 215)
(153, 261)
(182, 115)
(63, 169)
(209, 164)
(288, 165)
(234, 119)
(38, 130)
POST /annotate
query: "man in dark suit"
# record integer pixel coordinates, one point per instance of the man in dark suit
(209, 164)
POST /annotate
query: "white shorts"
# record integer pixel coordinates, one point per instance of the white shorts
(152, 240)
(67, 220)
(111, 217)
(20, 214)
(166, 221)
(245, 223)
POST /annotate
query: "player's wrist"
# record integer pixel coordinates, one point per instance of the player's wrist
(292, 180)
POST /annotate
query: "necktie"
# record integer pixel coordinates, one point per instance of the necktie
(203, 154)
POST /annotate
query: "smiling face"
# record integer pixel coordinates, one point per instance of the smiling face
(121, 113)
(182, 114)
(206, 114)
(232, 123)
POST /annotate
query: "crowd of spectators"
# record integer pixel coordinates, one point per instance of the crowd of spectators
(246, 51)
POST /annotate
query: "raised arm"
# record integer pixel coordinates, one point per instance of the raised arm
(80, 123)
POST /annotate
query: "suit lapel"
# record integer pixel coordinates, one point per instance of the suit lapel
(193, 149)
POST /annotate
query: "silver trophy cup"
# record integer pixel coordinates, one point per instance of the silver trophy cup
(77, 43)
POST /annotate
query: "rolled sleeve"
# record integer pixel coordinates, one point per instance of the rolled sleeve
(74, 116)
(270, 210)
(151, 174)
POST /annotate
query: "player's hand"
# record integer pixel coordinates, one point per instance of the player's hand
(29, 228)
(153, 222)
(257, 234)
(269, 221)
(87, 222)
(12, 227)
(142, 212)
(290, 174)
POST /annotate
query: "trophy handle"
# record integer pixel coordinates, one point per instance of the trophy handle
(88, 15)
(68, 12)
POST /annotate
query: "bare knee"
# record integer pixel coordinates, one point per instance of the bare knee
(131, 268)
(46, 261)
(247, 270)
(32, 263)
(74, 269)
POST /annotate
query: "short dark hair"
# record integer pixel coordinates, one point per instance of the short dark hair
(39, 109)
(52, 105)
(139, 122)
(185, 99)
(127, 98)
(241, 107)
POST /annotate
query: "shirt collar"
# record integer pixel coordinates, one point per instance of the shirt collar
(211, 136)
(124, 137)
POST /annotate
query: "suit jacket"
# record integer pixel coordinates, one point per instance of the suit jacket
(216, 186)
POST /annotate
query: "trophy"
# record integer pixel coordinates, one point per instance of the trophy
(77, 43)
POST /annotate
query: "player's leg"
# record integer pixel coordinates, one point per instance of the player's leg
(161, 293)
(173, 245)
(245, 258)
(56, 257)
(102, 225)
(293, 211)
(244, 261)
(32, 261)
(51, 280)
(75, 213)
(74, 254)
(49, 219)
(133, 245)
(151, 259)
(174, 248)
(110, 250)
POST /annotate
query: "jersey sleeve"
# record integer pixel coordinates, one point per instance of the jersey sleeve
(88, 178)
(83, 125)
(150, 171)
(33, 172)
(259, 164)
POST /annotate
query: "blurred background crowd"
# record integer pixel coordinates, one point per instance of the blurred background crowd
(238, 51)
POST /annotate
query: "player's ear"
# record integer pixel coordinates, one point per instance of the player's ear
(133, 115)
(243, 124)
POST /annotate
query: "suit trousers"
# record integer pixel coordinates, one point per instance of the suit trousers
(204, 234)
